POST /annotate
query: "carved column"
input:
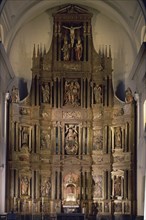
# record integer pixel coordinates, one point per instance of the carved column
(55, 92)
(83, 139)
(105, 184)
(16, 184)
(129, 184)
(59, 93)
(88, 93)
(105, 92)
(17, 137)
(84, 58)
(37, 184)
(58, 184)
(38, 92)
(109, 185)
(81, 128)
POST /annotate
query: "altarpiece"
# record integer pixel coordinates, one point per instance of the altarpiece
(71, 141)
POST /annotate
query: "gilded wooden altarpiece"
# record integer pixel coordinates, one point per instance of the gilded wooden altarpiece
(71, 141)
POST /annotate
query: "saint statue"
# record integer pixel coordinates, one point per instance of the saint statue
(45, 93)
(66, 50)
(71, 142)
(24, 185)
(78, 50)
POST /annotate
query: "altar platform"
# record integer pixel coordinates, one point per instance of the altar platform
(70, 216)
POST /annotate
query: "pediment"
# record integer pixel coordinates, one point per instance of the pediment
(72, 9)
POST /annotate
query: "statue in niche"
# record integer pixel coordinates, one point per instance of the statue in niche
(128, 96)
(25, 136)
(45, 139)
(15, 95)
(97, 94)
(24, 185)
(71, 142)
(98, 187)
(117, 186)
(66, 50)
(45, 188)
(72, 91)
(118, 137)
(72, 33)
(97, 140)
(78, 50)
(45, 93)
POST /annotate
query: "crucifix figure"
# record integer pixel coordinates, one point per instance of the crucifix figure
(72, 33)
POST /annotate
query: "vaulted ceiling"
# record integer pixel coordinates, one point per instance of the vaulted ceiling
(119, 23)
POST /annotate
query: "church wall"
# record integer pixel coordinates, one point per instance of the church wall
(6, 77)
(138, 76)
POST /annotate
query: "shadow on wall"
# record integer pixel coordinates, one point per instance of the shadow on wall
(23, 92)
(120, 91)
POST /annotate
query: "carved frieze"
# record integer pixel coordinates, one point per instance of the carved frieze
(71, 115)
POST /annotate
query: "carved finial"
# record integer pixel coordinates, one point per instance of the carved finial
(105, 50)
(34, 52)
(102, 51)
(38, 51)
(109, 50)
(44, 50)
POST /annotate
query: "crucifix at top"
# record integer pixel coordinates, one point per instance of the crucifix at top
(72, 33)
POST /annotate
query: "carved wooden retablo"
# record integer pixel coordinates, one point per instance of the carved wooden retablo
(71, 141)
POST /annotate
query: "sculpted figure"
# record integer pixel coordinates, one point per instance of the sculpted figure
(72, 33)
(71, 144)
(66, 50)
(118, 138)
(15, 95)
(78, 50)
(25, 136)
(117, 186)
(24, 185)
(72, 91)
(45, 93)
(45, 188)
(97, 94)
(128, 96)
